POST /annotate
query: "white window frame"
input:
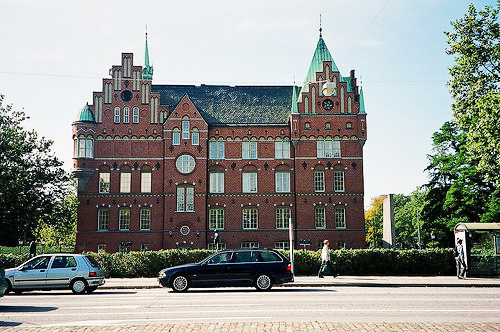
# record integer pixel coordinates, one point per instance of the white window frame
(195, 137)
(250, 244)
(340, 218)
(117, 115)
(185, 128)
(135, 115)
(283, 215)
(176, 136)
(249, 150)
(124, 219)
(283, 245)
(282, 181)
(125, 182)
(104, 182)
(145, 219)
(216, 218)
(249, 182)
(185, 163)
(282, 149)
(213, 246)
(102, 220)
(216, 150)
(328, 148)
(338, 181)
(250, 218)
(320, 217)
(217, 182)
(84, 147)
(146, 182)
(126, 115)
(319, 181)
(185, 199)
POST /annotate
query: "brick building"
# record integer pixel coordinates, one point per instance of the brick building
(164, 166)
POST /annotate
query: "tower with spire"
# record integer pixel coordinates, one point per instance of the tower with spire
(147, 71)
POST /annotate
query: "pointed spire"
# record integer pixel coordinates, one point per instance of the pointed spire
(320, 54)
(147, 71)
(294, 101)
(361, 101)
(320, 29)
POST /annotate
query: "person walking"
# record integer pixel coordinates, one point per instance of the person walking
(33, 249)
(460, 260)
(326, 264)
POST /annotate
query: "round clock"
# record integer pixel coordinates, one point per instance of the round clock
(327, 104)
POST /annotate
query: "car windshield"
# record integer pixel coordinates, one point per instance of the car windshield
(92, 261)
(37, 263)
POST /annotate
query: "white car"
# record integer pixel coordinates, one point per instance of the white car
(80, 273)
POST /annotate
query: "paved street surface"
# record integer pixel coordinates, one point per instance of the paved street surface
(306, 308)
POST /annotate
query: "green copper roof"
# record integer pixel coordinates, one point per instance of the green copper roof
(147, 71)
(294, 101)
(361, 102)
(85, 114)
(320, 54)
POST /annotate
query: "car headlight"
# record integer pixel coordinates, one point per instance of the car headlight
(162, 274)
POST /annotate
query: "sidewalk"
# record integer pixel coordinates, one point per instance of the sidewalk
(340, 281)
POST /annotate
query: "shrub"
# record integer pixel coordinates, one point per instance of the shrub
(347, 262)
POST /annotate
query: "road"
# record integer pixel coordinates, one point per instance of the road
(301, 304)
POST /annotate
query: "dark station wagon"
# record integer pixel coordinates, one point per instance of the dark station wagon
(260, 268)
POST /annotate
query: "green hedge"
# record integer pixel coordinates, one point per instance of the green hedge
(347, 262)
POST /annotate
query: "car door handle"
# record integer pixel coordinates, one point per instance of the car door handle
(42, 270)
(73, 269)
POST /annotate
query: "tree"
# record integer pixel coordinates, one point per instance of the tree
(374, 222)
(457, 191)
(61, 224)
(405, 219)
(32, 180)
(475, 78)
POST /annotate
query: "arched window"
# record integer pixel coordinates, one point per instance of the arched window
(176, 136)
(185, 127)
(195, 137)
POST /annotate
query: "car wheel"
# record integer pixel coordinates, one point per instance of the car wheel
(9, 287)
(180, 283)
(91, 289)
(263, 282)
(78, 286)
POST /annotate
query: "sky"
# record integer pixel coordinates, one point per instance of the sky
(54, 54)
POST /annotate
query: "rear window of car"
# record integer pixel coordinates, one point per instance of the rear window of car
(92, 261)
(266, 256)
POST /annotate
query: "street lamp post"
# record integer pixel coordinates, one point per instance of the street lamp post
(290, 232)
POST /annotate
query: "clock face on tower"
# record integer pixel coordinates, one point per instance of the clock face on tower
(328, 104)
